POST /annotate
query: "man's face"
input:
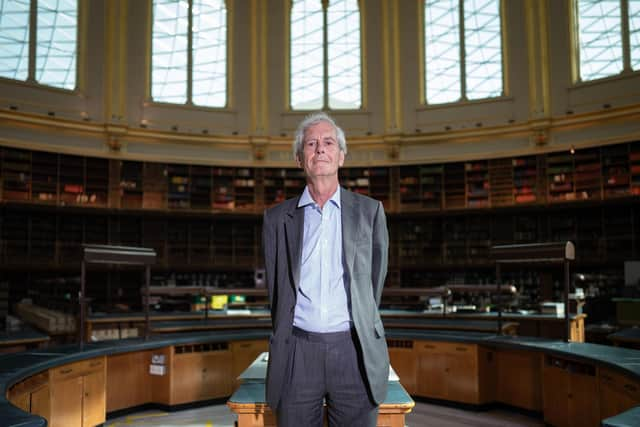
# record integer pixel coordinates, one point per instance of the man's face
(321, 152)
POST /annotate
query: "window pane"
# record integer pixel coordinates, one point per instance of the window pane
(634, 33)
(442, 51)
(209, 53)
(169, 51)
(57, 43)
(599, 24)
(306, 55)
(14, 39)
(343, 32)
(483, 48)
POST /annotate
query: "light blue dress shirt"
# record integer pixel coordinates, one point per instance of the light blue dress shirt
(322, 304)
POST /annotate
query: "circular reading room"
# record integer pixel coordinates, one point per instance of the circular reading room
(319, 212)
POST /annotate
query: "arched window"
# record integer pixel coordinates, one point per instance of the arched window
(189, 52)
(325, 55)
(39, 41)
(462, 50)
(608, 37)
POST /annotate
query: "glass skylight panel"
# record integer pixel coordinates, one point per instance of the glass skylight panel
(169, 51)
(483, 46)
(344, 54)
(56, 48)
(14, 39)
(442, 51)
(307, 46)
(209, 53)
(634, 33)
(600, 35)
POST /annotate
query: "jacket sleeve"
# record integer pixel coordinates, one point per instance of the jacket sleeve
(269, 244)
(380, 252)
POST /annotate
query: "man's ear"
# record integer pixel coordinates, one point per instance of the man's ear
(298, 160)
(341, 159)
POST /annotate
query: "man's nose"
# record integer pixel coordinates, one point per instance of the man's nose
(319, 147)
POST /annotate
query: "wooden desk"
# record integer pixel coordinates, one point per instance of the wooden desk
(248, 401)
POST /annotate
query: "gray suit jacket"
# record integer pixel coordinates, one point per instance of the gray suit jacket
(365, 241)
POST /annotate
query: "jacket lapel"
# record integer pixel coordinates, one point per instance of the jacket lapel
(293, 225)
(349, 228)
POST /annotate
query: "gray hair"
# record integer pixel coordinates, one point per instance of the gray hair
(313, 119)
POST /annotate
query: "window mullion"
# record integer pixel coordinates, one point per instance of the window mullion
(325, 55)
(463, 64)
(190, 54)
(33, 40)
(624, 28)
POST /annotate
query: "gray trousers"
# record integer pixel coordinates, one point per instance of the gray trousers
(326, 368)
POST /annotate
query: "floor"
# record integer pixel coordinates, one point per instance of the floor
(424, 414)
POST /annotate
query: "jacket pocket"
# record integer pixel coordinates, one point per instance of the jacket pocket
(378, 329)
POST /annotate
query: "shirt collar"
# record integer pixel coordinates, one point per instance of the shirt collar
(306, 198)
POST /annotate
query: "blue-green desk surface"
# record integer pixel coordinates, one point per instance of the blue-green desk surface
(17, 366)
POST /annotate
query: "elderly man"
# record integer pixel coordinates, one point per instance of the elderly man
(325, 253)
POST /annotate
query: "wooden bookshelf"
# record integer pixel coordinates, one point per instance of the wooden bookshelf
(525, 180)
(179, 188)
(501, 182)
(634, 165)
(560, 177)
(130, 184)
(615, 171)
(200, 194)
(454, 186)
(16, 174)
(477, 184)
(410, 190)
(44, 187)
(588, 185)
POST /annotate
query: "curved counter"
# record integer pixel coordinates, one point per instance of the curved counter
(560, 380)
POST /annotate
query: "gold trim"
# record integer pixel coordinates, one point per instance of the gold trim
(147, 51)
(230, 6)
(574, 42)
(421, 54)
(288, 4)
(386, 74)
(264, 68)
(530, 22)
(545, 67)
(121, 80)
(254, 64)
(82, 34)
(504, 22)
(108, 60)
(397, 66)
(364, 82)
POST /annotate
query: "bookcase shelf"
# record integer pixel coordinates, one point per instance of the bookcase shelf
(560, 177)
(615, 171)
(477, 184)
(442, 217)
(525, 180)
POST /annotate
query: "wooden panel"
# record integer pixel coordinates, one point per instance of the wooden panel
(161, 384)
(432, 366)
(94, 401)
(404, 363)
(555, 386)
(128, 380)
(41, 402)
(201, 375)
(21, 399)
(462, 373)
(66, 402)
(617, 393)
(518, 379)
(583, 406)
